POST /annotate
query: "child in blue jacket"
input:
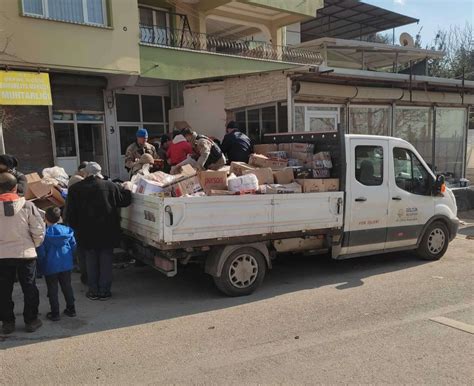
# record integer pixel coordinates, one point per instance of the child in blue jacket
(55, 262)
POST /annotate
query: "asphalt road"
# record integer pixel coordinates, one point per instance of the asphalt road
(366, 320)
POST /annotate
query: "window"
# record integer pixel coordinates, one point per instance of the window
(369, 165)
(152, 107)
(374, 120)
(414, 124)
(410, 175)
(128, 108)
(449, 141)
(75, 11)
(241, 121)
(65, 139)
(318, 118)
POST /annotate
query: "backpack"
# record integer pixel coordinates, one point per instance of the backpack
(216, 152)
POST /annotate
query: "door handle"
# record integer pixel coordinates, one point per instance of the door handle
(397, 198)
(170, 213)
(360, 199)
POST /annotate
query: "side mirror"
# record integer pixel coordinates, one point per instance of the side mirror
(439, 185)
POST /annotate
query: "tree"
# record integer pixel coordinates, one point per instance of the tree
(458, 45)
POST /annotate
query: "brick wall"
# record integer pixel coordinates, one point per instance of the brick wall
(254, 89)
(27, 136)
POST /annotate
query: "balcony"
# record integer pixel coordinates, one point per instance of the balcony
(163, 48)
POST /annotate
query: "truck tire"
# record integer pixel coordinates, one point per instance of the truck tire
(243, 271)
(434, 242)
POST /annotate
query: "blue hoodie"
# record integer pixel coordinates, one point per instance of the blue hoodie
(56, 253)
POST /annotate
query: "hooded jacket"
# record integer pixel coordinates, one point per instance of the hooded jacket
(178, 150)
(237, 146)
(55, 255)
(22, 228)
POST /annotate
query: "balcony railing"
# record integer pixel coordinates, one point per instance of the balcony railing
(178, 38)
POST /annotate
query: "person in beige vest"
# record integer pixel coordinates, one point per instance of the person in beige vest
(22, 231)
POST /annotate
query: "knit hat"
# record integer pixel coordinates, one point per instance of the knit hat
(94, 169)
(9, 161)
(142, 133)
(164, 138)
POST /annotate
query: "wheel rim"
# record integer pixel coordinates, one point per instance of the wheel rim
(243, 271)
(436, 241)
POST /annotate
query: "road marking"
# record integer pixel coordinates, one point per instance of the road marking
(454, 324)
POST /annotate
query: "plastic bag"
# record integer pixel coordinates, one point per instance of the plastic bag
(247, 182)
(56, 176)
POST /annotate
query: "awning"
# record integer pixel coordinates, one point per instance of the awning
(351, 19)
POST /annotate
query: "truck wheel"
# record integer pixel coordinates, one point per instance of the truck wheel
(242, 273)
(434, 242)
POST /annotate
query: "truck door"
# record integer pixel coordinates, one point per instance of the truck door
(367, 196)
(411, 204)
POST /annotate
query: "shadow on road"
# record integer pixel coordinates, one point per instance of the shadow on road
(142, 295)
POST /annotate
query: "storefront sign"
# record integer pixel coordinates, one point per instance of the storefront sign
(24, 88)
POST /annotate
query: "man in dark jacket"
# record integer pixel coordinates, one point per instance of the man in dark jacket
(92, 211)
(236, 145)
(9, 163)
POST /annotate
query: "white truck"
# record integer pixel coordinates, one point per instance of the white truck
(389, 200)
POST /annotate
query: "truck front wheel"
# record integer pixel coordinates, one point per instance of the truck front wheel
(243, 271)
(434, 242)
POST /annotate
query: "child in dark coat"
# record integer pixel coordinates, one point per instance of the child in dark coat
(55, 262)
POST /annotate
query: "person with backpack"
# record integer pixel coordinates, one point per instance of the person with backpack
(210, 155)
(236, 145)
(22, 230)
(55, 262)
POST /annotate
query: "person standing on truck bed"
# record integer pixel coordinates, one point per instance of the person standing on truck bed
(138, 148)
(236, 145)
(92, 211)
(210, 155)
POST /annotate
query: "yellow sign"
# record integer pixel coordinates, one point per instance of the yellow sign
(24, 88)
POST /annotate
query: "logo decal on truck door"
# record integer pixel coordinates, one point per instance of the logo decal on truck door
(407, 214)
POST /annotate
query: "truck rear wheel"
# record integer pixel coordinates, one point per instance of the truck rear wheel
(243, 271)
(434, 242)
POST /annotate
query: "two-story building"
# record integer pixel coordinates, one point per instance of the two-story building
(119, 65)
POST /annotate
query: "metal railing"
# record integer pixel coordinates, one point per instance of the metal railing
(178, 38)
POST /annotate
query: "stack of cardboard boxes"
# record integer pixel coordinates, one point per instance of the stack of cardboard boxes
(43, 194)
(273, 169)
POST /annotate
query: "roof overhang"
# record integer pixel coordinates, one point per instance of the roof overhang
(361, 54)
(350, 19)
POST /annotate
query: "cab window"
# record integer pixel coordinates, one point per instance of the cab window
(410, 174)
(369, 165)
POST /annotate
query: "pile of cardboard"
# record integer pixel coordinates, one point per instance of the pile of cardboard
(272, 169)
(43, 193)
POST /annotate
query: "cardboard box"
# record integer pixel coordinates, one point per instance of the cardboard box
(238, 168)
(302, 147)
(261, 161)
(149, 187)
(281, 189)
(277, 154)
(302, 157)
(319, 185)
(321, 173)
(283, 176)
(264, 175)
(286, 147)
(302, 173)
(190, 185)
(44, 195)
(213, 180)
(322, 160)
(265, 148)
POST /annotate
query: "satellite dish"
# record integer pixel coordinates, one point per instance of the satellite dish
(406, 40)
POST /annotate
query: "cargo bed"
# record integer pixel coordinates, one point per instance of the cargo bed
(168, 223)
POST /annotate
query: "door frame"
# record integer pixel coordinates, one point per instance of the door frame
(75, 122)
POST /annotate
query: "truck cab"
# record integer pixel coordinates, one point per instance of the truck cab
(393, 201)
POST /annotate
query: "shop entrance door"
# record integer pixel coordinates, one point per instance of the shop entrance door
(79, 137)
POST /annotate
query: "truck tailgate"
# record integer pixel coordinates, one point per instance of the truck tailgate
(172, 220)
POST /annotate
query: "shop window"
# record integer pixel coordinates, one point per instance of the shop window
(449, 141)
(127, 136)
(241, 121)
(65, 139)
(369, 120)
(317, 118)
(410, 174)
(414, 124)
(167, 108)
(253, 125)
(152, 107)
(299, 118)
(369, 165)
(128, 108)
(268, 120)
(75, 11)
